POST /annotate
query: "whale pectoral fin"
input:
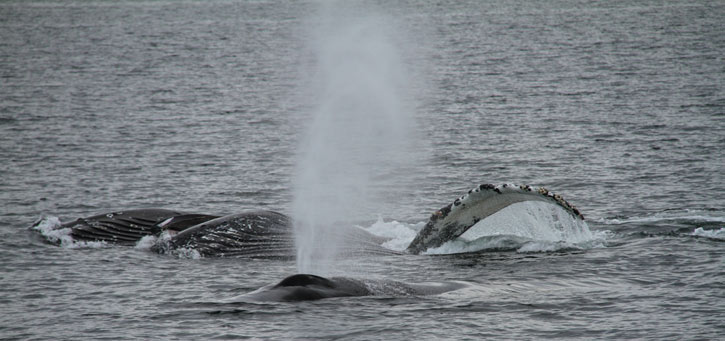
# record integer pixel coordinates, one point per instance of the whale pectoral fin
(456, 218)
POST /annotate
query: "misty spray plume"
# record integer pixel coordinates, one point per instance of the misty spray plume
(358, 138)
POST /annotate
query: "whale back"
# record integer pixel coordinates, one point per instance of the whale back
(457, 217)
(306, 287)
(305, 280)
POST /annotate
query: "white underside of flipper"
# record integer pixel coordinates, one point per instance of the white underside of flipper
(454, 219)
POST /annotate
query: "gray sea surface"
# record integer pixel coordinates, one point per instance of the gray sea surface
(202, 106)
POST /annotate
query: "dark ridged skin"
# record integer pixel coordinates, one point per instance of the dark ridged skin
(252, 234)
(255, 234)
(128, 227)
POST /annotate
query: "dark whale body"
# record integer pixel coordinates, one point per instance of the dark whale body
(304, 287)
(251, 234)
(128, 227)
(268, 234)
(255, 234)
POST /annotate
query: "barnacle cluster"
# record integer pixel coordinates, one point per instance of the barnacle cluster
(501, 189)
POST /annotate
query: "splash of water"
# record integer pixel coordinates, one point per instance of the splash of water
(357, 140)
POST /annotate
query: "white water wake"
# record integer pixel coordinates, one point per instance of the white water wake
(49, 227)
(712, 234)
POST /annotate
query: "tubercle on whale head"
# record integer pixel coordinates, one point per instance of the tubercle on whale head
(540, 190)
(436, 215)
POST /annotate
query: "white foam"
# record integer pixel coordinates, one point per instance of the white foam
(146, 242)
(47, 224)
(545, 246)
(517, 243)
(187, 253)
(499, 242)
(162, 242)
(400, 234)
(714, 234)
(49, 228)
(686, 215)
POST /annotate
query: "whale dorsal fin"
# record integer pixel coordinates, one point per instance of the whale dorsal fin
(454, 219)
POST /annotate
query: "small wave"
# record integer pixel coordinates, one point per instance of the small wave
(712, 234)
(693, 216)
(599, 241)
(399, 234)
(491, 243)
(49, 227)
(162, 244)
(186, 253)
(545, 246)
(146, 243)
(518, 244)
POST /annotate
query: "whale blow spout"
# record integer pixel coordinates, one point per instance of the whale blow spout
(358, 136)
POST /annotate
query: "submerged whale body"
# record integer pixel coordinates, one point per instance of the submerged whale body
(304, 287)
(269, 234)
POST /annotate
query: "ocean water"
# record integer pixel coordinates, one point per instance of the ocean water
(207, 106)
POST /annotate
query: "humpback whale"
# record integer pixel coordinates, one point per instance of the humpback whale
(269, 234)
(305, 287)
